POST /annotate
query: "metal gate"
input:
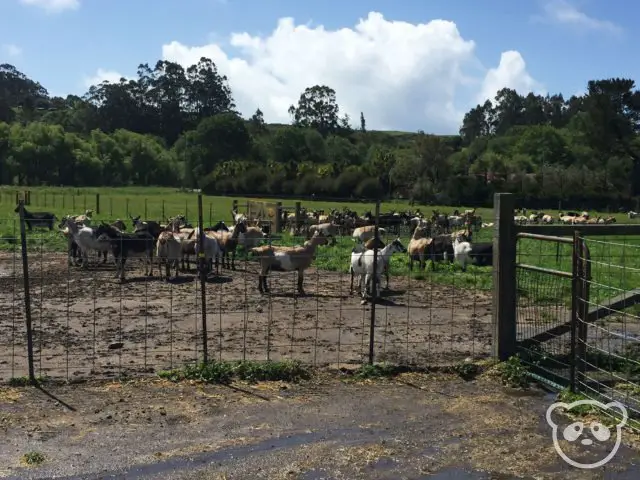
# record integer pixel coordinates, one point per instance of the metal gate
(552, 310)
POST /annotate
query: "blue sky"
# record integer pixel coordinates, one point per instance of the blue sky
(563, 44)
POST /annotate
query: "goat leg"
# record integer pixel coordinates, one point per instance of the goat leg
(351, 288)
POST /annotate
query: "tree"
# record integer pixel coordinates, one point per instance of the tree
(177, 126)
(317, 108)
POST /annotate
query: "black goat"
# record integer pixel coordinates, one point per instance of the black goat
(482, 254)
(38, 219)
(125, 245)
(150, 226)
(220, 226)
(440, 244)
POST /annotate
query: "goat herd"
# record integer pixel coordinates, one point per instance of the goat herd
(438, 237)
(170, 245)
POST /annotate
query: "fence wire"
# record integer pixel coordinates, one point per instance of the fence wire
(609, 345)
(88, 324)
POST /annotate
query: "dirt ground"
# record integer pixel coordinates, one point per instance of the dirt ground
(86, 322)
(417, 426)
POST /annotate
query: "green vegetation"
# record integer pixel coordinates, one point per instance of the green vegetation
(513, 373)
(32, 458)
(249, 371)
(609, 417)
(179, 128)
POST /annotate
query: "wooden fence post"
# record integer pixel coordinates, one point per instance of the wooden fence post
(298, 216)
(97, 204)
(504, 277)
(278, 219)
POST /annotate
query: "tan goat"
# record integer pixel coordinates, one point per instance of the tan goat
(287, 259)
(417, 246)
(362, 234)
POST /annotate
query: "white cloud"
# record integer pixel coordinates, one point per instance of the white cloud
(511, 73)
(11, 50)
(53, 6)
(564, 13)
(101, 76)
(401, 75)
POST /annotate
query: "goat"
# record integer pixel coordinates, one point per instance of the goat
(329, 230)
(362, 265)
(220, 226)
(287, 259)
(86, 239)
(85, 218)
(461, 251)
(417, 247)
(210, 248)
(362, 234)
(125, 245)
(482, 254)
(150, 226)
(251, 238)
(631, 214)
(37, 219)
(228, 243)
(168, 250)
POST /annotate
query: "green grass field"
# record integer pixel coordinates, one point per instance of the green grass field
(616, 265)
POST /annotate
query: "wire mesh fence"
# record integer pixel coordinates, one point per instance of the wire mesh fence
(85, 322)
(608, 365)
(577, 315)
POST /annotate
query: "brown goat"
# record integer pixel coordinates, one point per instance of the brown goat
(417, 248)
(287, 259)
(228, 242)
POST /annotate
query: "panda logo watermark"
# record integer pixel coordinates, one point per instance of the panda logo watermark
(578, 431)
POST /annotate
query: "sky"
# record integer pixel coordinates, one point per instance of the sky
(409, 65)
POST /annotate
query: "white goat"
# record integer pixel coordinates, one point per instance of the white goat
(362, 265)
(631, 214)
(210, 247)
(86, 240)
(169, 252)
(461, 252)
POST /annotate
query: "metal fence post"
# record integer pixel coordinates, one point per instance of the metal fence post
(202, 264)
(504, 277)
(97, 204)
(374, 286)
(27, 294)
(575, 260)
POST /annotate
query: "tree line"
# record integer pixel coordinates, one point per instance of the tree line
(172, 126)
